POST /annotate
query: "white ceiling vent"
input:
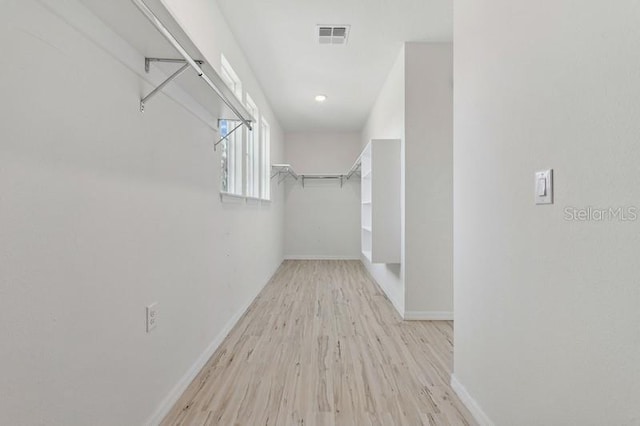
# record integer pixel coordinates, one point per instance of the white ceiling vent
(333, 34)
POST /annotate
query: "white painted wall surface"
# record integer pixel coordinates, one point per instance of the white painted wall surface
(547, 309)
(429, 180)
(322, 220)
(386, 121)
(104, 210)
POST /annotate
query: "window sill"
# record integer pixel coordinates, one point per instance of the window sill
(257, 200)
(238, 198)
(231, 197)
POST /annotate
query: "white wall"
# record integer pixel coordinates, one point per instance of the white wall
(322, 220)
(103, 211)
(429, 180)
(386, 121)
(547, 309)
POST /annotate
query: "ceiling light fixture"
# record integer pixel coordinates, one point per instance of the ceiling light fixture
(321, 98)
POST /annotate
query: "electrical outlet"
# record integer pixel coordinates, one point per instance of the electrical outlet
(152, 316)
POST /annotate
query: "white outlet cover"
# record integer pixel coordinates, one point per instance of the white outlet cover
(543, 187)
(152, 316)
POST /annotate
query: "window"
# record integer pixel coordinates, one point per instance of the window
(232, 152)
(252, 164)
(245, 155)
(231, 158)
(265, 160)
(230, 77)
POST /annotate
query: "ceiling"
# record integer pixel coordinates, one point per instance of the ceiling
(280, 41)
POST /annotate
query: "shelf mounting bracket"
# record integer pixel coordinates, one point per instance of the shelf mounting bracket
(147, 67)
(215, 145)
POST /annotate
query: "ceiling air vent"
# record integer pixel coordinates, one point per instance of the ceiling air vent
(333, 34)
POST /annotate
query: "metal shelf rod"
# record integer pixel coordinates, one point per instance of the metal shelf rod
(321, 177)
(192, 62)
(286, 170)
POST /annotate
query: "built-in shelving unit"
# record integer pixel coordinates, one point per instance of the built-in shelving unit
(380, 201)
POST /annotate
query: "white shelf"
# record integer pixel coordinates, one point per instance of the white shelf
(147, 29)
(380, 201)
(282, 171)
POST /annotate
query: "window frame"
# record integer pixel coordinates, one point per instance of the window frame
(252, 151)
(246, 155)
(232, 168)
(265, 160)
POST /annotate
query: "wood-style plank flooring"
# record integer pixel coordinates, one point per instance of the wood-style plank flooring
(321, 345)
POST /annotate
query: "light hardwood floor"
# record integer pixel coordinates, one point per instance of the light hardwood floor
(321, 345)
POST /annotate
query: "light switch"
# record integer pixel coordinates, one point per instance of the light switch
(544, 187)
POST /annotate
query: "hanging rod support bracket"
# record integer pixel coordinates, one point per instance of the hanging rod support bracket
(227, 135)
(222, 92)
(282, 171)
(147, 63)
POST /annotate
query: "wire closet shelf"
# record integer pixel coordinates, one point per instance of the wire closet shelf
(284, 171)
(212, 79)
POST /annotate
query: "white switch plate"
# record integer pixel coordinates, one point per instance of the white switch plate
(543, 187)
(152, 316)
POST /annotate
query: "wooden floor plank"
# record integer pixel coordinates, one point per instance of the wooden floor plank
(322, 345)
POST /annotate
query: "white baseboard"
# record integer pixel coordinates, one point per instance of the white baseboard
(471, 404)
(169, 401)
(428, 316)
(319, 257)
(396, 303)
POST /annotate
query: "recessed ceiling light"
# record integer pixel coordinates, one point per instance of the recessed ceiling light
(321, 98)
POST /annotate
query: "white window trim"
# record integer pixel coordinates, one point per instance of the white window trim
(265, 159)
(234, 145)
(232, 80)
(252, 153)
(229, 75)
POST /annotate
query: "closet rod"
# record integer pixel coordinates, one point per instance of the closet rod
(341, 177)
(171, 39)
